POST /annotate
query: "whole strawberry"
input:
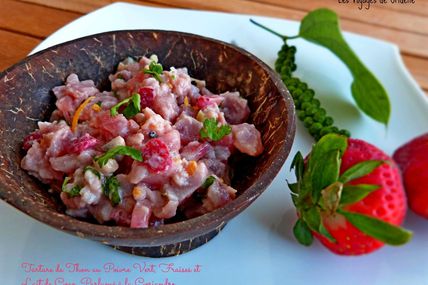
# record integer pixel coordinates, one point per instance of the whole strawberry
(349, 195)
(413, 161)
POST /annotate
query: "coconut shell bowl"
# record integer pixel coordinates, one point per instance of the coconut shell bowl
(26, 97)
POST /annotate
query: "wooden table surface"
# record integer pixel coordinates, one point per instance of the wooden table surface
(25, 23)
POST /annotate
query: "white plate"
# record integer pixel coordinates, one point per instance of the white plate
(257, 247)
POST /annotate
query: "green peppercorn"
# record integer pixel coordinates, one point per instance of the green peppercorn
(315, 102)
(311, 110)
(315, 128)
(301, 114)
(319, 116)
(297, 92)
(325, 130)
(308, 108)
(306, 97)
(306, 105)
(307, 122)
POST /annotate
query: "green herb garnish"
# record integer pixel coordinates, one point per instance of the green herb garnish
(93, 170)
(119, 150)
(321, 26)
(155, 69)
(214, 132)
(208, 182)
(111, 190)
(73, 191)
(131, 110)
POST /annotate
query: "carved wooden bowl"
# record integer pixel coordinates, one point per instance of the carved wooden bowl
(25, 96)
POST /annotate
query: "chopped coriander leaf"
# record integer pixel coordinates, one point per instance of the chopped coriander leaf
(111, 190)
(155, 69)
(133, 107)
(73, 191)
(131, 110)
(208, 182)
(93, 170)
(214, 132)
(119, 150)
(99, 103)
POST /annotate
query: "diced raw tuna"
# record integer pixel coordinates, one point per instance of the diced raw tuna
(166, 130)
(235, 108)
(195, 150)
(188, 127)
(218, 195)
(172, 140)
(247, 139)
(182, 85)
(80, 144)
(154, 122)
(107, 127)
(37, 164)
(140, 216)
(208, 100)
(165, 104)
(72, 94)
(177, 194)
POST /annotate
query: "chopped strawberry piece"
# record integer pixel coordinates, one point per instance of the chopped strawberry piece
(82, 143)
(156, 155)
(204, 101)
(30, 139)
(147, 97)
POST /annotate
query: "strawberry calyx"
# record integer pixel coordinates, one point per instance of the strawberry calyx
(321, 191)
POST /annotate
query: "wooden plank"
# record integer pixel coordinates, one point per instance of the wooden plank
(410, 43)
(85, 6)
(34, 20)
(14, 47)
(418, 68)
(375, 16)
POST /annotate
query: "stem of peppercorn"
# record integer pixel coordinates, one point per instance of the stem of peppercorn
(309, 110)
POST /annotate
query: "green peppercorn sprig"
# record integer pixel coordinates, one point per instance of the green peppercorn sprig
(309, 110)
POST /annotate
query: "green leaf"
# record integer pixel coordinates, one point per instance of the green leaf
(111, 190)
(133, 107)
(131, 110)
(214, 132)
(354, 193)
(359, 170)
(208, 182)
(73, 191)
(326, 233)
(295, 199)
(321, 26)
(119, 150)
(324, 163)
(93, 170)
(298, 164)
(294, 187)
(380, 230)
(312, 217)
(155, 69)
(302, 233)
